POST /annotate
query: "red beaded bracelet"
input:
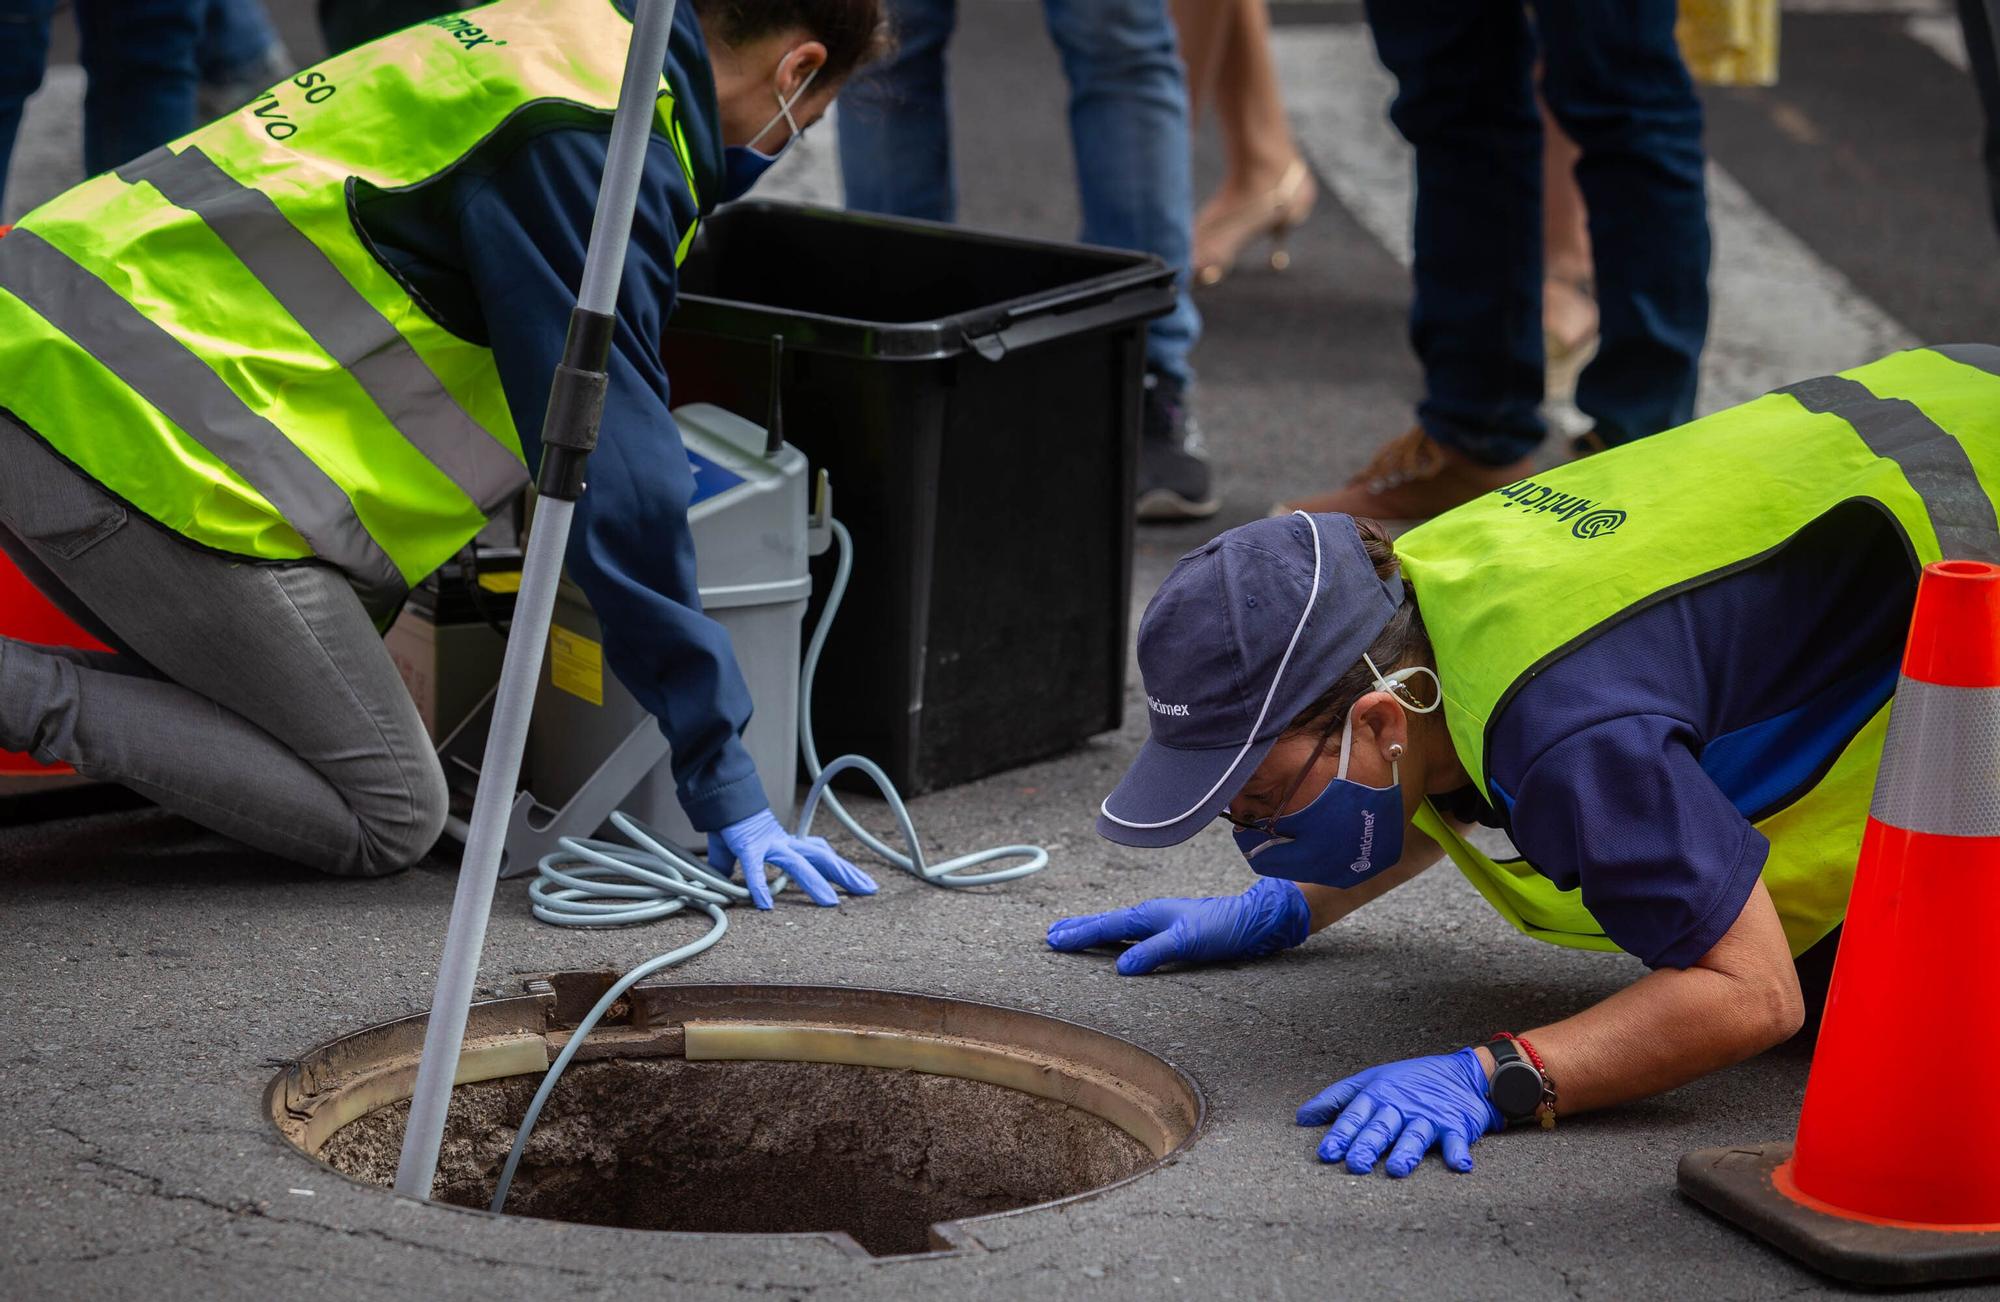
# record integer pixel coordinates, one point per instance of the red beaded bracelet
(1526, 1048)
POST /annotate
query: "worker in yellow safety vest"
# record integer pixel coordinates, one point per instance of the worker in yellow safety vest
(1659, 677)
(256, 384)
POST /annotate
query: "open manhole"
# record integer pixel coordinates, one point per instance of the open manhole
(884, 1120)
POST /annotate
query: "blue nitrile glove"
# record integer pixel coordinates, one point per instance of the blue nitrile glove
(761, 841)
(1270, 916)
(1414, 1103)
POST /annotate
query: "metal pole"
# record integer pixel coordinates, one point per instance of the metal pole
(569, 432)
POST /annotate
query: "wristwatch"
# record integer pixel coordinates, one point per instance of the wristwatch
(1520, 1089)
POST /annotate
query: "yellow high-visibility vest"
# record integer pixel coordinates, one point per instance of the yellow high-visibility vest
(208, 334)
(1518, 578)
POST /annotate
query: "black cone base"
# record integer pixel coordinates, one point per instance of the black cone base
(1735, 1184)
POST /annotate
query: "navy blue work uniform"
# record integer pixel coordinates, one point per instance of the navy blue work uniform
(497, 255)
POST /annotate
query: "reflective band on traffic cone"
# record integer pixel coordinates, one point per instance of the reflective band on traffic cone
(1914, 1007)
(1895, 1177)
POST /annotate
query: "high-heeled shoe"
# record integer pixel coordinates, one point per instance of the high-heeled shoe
(1568, 350)
(1220, 240)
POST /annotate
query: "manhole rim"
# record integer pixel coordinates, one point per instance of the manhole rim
(958, 1232)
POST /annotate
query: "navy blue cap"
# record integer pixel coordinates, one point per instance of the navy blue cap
(1247, 631)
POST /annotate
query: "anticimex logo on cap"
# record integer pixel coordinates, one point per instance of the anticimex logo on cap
(1163, 707)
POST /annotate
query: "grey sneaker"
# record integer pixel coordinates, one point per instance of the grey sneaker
(1173, 466)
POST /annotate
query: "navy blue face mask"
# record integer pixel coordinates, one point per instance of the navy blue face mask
(1351, 831)
(743, 165)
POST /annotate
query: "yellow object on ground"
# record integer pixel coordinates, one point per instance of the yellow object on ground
(1730, 42)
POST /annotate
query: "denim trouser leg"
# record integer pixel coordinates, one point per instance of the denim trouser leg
(895, 121)
(1465, 101)
(255, 699)
(234, 37)
(1128, 117)
(139, 56)
(24, 53)
(1613, 76)
(1979, 19)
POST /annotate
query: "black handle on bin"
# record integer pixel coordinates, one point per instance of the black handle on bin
(1152, 271)
(1031, 323)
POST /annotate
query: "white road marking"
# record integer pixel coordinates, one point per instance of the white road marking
(48, 152)
(1778, 313)
(1943, 34)
(1337, 95)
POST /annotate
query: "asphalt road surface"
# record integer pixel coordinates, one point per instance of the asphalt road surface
(154, 972)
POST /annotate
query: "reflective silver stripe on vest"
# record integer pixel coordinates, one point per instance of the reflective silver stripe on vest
(1933, 461)
(163, 372)
(1941, 762)
(339, 318)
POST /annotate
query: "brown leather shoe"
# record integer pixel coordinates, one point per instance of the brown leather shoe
(1587, 444)
(1413, 477)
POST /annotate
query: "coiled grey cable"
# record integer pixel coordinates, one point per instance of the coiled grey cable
(949, 873)
(603, 884)
(594, 883)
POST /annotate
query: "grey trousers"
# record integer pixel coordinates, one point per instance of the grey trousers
(254, 699)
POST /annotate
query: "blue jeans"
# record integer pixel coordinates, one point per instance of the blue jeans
(1613, 76)
(1979, 19)
(235, 35)
(139, 56)
(1128, 118)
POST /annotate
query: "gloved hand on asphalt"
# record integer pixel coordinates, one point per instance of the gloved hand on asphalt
(761, 841)
(1270, 916)
(1412, 1104)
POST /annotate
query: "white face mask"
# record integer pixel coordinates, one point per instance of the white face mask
(743, 164)
(784, 115)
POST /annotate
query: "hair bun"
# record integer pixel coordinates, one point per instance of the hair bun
(1380, 547)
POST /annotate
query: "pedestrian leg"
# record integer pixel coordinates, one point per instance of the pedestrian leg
(1465, 101)
(1614, 78)
(895, 121)
(139, 59)
(24, 56)
(1128, 113)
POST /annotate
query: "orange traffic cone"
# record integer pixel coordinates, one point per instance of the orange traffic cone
(1895, 1176)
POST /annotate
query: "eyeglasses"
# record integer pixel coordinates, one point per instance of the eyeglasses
(1268, 824)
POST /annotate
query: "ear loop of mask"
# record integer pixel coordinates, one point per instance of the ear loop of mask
(1392, 684)
(784, 113)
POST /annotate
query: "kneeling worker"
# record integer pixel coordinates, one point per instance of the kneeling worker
(257, 383)
(1665, 671)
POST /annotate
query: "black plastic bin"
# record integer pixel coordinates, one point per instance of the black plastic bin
(976, 399)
